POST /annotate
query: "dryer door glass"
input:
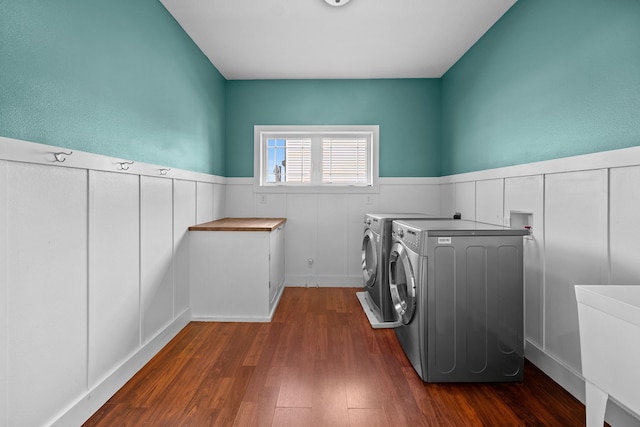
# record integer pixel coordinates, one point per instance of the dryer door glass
(402, 283)
(369, 259)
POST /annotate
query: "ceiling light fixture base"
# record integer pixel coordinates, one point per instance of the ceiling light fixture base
(337, 2)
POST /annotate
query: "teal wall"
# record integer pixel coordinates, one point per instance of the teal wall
(551, 79)
(115, 77)
(407, 110)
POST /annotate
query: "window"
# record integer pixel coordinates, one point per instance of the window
(316, 156)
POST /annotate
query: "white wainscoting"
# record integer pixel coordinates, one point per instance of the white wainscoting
(575, 254)
(82, 232)
(95, 274)
(525, 194)
(324, 231)
(184, 215)
(583, 212)
(114, 271)
(46, 268)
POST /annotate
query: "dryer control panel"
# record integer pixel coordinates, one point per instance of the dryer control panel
(410, 237)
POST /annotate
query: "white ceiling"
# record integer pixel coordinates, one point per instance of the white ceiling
(309, 39)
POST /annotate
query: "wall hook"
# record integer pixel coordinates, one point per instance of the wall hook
(124, 166)
(164, 171)
(61, 156)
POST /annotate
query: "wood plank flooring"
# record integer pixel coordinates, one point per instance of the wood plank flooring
(318, 363)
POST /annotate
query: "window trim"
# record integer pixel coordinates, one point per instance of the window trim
(258, 130)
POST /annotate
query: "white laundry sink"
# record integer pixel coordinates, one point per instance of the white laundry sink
(609, 319)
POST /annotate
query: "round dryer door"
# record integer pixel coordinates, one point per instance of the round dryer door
(369, 259)
(402, 283)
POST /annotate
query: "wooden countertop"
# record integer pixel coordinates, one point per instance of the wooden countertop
(240, 224)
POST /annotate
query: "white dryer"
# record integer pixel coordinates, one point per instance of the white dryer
(457, 289)
(376, 243)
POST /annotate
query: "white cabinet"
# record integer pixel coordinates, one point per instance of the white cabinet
(237, 271)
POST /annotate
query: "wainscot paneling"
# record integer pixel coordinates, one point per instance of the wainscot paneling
(184, 216)
(581, 210)
(624, 227)
(114, 271)
(419, 195)
(581, 213)
(525, 195)
(301, 234)
(156, 249)
(96, 258)
(447, 199)
(324, 230)
(332, 232)
(490, 201)
(575, 254)
(219, 200)
(465, 197)
(205, 195)
(47, 290)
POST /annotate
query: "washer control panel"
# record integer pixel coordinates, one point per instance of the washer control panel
(372, 223)
(410, 237)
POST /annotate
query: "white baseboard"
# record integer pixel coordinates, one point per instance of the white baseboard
(323, 281)
(249, 319)
(256, 319)
(88, 404)
(616, 415)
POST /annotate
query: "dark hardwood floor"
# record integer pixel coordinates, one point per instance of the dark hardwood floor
(319, 363)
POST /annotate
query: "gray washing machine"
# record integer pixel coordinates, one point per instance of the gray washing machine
(457, 289)
(376, 242)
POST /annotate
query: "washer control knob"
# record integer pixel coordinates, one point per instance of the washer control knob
(401, 233)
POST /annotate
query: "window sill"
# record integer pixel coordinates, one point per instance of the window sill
(311, 189)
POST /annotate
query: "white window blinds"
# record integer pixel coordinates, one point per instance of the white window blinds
(344, 161)
(298, 161)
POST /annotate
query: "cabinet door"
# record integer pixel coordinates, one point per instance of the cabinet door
(114, 273)
(156, 244)
(46, 289)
